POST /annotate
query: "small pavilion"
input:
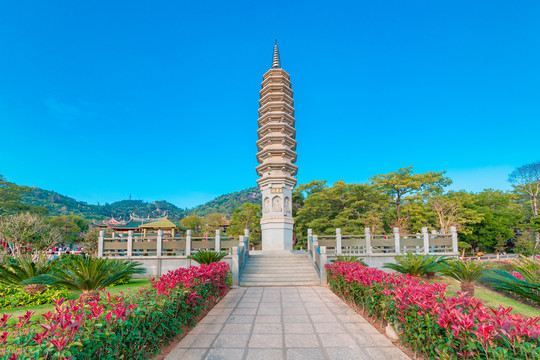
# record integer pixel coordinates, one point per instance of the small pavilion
(166, 225)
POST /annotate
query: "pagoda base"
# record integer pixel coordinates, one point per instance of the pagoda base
(277, 234)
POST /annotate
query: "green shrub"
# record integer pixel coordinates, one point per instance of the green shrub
(15, 296)
(207, 257)
(417, 264)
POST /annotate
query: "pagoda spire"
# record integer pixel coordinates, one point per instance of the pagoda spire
(276, 63)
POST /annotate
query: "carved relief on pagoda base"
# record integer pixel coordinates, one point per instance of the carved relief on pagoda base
(276, 200)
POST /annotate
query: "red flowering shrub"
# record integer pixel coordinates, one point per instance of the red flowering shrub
(132, 326)
(433, 324)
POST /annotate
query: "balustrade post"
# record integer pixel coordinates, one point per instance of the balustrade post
(315, 246)
(322, 268)
(338, 241)
(235, 266)
(159, 243)
(101, 243)
(188, 243)
(309, 235)
(396, 241)
(369, 249)
(130, 243)
(453, 231)
(246, 239)
(426, 240)
(218, 241)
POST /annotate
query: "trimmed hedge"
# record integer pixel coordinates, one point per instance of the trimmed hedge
(132, 326)
(432, 324)
(14, 296)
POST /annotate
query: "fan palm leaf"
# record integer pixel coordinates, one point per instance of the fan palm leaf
(207, 256)
(466, 272)
(24, 270)
(504, 281)
(90, 274)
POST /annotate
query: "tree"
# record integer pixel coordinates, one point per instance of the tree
(525, 244)
(526, 179)
(90, 241)
(347, 206)
(451, 211)
(212, 222)
(247, 216)
(26, 231)
(403, 183)
(70, 226)
(193, 223)
(500, 216)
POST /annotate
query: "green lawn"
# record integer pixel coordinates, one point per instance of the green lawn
(42, 309)
(493, 299)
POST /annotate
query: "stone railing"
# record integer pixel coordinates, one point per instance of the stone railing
(240, 256)
(318, 256)
(157, 245)
(376, 249)
(159, 254)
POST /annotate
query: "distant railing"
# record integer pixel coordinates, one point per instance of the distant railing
(368, 244)
(159, 246)
(320, 247)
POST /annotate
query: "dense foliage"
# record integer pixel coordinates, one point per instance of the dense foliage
(487, 221)
(15, 296)
(430, 322)
(133, 326)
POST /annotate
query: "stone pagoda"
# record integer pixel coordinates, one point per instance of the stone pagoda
(276, 156)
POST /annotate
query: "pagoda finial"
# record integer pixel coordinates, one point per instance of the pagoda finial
(276, 64)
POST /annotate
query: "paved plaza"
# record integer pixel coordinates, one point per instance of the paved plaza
(290, 323)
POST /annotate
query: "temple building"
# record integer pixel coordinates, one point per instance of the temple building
(140, 225)
(276, 156)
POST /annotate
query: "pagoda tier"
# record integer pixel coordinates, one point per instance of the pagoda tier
(276, 132)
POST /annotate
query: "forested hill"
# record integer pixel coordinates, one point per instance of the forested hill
(226, 204)
(58, 204)
(63, 205)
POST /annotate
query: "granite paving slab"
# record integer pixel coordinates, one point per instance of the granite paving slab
(289, 323)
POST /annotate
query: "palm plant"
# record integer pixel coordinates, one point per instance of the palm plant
(466, 272)
(417, 264)
(525, 282)
(207, 256)
(349, 258)
(23, 270)
(89, 275)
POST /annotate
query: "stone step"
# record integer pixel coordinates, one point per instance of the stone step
(279, 272)
(280, 283)
(278, 276)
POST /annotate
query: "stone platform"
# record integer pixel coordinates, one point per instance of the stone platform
(293, 323)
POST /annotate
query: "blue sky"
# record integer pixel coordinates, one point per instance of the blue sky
(101, 99)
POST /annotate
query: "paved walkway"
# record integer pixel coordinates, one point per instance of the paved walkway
(290, 323)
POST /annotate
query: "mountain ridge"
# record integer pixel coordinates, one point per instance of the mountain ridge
(58, 204)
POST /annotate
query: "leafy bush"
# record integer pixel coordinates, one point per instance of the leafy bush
(14, 296)
(417, 264)
(514, 283)
(89, 274)
(429, 322)
(133, 326)
(207, 256)
(466, 272)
